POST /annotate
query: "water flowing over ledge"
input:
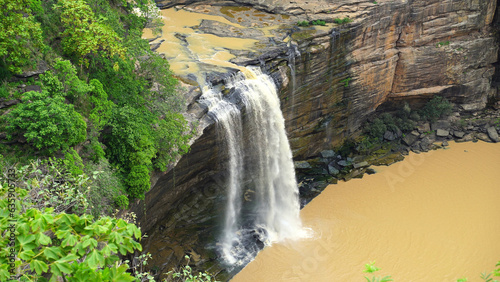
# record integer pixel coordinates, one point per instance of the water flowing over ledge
(262, 194)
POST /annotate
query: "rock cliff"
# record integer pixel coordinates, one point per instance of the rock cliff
(331, 80)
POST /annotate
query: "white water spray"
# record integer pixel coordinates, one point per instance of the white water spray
(260, 165)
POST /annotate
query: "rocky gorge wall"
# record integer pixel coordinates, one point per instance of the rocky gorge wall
(392, 52)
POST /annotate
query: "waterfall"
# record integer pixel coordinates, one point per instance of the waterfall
(262, 195)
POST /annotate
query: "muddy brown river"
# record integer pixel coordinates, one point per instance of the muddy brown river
(432, 217)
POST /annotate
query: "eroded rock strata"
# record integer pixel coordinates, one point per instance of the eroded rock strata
(331, 80)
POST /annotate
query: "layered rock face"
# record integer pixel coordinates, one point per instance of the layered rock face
(330, 82)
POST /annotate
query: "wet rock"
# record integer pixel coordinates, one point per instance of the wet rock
(6, 104)
(445, 143)
(333, 170)
(370, 171)
(389, 136)
(440, 124)
(343, 163)
(442, 133)
(493, 134)
(459, 134)
(302, 165)
(424, 128)
(409, 139)
(483, 137)
(328, 154)
(467, 138)
(361, 164)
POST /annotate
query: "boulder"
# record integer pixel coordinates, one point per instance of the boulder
(409, 139)
(343, 163)
(389, 136)
(440, 124)
(328, 154)
(442, 133)
(302, 165)
(483, 137)
(361, 164)
(333, 170)
(424, 128)
(459, 134)
(493, 134)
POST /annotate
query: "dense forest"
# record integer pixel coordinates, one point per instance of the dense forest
(87, 113)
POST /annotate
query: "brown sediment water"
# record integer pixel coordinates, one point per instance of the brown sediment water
(432, 217)
(184, 48)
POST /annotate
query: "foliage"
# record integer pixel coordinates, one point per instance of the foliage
(345, 81)
(66, 245)
(371, 268)
(436, 108)
(443, 43)
(73, 162)
(185, 274)
(376, 128)
(47, 122)
(85, 34)
(171, 140)
(72, 86)
(51, 185)
(303, 23)
(107, 191)
(20, 34)
(342, 21)
(318, 22)
(48, 242)
(102, 107)
(4, 92)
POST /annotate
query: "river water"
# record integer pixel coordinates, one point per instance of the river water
(432, 217)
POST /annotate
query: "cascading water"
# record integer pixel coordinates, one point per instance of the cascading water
(262, 200)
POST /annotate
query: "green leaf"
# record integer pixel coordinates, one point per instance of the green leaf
(93, 259)
(39, 266)
(71, 240)
(52, 253)
(63, 267)
(44, 239)
(26, 255)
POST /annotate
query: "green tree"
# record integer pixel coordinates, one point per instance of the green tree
(47, 123)
(86, 34)
(20, 34)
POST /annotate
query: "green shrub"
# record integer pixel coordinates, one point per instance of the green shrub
(106, 187)
(342, 21)
(318, 22)
(121, 201)
(48, 123)
(4, 92)
(376, 129)
(303, 23)
(73, 162)
(138, 181)
(436, 108)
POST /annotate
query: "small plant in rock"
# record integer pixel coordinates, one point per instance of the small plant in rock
(185, 273)
(443, 43)
(318, 22)
(303, 23)
(342, 21)
(345, 81)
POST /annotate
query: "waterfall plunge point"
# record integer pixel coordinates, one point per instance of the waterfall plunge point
(262, 194)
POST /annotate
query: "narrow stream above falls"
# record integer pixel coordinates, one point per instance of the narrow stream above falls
(431, 217)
